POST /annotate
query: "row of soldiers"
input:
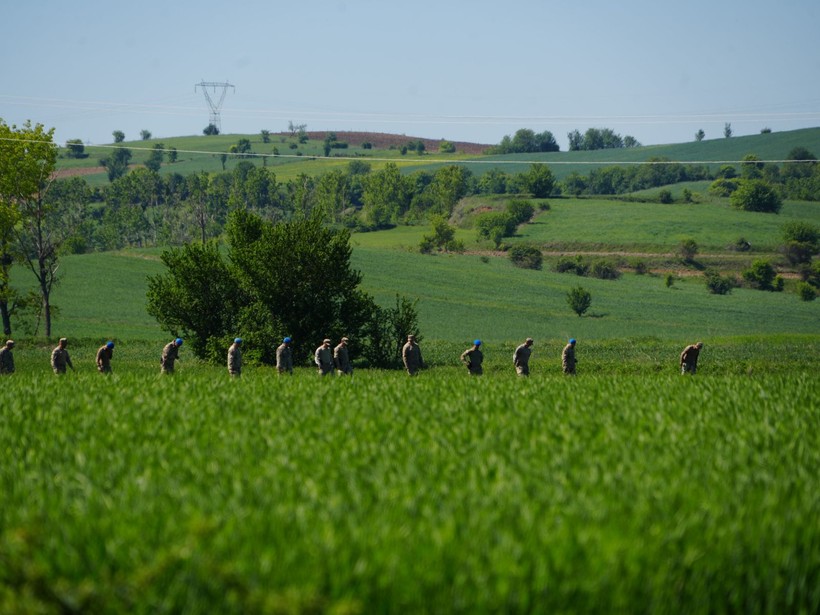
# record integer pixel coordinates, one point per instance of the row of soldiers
(328, 359)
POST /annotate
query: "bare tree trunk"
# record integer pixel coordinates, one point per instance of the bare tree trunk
(4, 311)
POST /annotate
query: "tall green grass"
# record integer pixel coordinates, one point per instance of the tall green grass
(385, 494)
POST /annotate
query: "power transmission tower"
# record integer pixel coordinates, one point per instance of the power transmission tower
(215, 105)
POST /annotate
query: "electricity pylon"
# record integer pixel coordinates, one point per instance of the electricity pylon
(215, 106)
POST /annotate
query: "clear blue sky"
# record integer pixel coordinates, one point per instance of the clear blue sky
(467, 70)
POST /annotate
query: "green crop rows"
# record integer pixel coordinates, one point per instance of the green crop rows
(385, 494)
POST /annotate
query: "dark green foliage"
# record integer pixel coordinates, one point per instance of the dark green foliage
(806, 291)
(526, 141)
(210, 130)
(801, 241)
(641, 267)
(579, 300)
(665, 196)
(116, 165)
(688, 249)
(756, 195)
(723, 187)
(442, 238)
(568, 264)
(154, 161)
(76, 148)
(521, 211)
(385, 332)
(604, 270)
(810, 272)
(198, 298)
(119, 136)
(279, 279)
(741, 245)
(669, 280)
(539, 181)
(526, 257)
(761, 275)
(718, 284)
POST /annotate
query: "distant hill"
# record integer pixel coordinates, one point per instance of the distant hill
(385, 140)
(288, 158)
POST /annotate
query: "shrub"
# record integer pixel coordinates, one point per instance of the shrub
(669, 280)
(520, 211)
(756, 195)
(686, 195)
(604, 270)
(665, 196)
(741, 245)
(641, 267)
(579, 300)
(723, 187)
(806, 291)
(526, 257)
(760, 275)
(810, 273)
(718, 284)
(801, 241)
(567, 264)
(687, 249)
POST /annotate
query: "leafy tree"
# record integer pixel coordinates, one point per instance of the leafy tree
(579, 300)
(76, 148)
(718, 284)
(210, 130)
(687, 249)
(333, 194)
(145, 134)
(495, 225)
(539, 181)
(630, 141)
(756, 195)
(751, 167)
(27, 160)
(386, 196)
(766, 131)
(526, 257)
(801, 164)
(265, 134)
(727, 130)
(154, 161)
(172, 155)
(700, 135)
(119, 136)
(761, 275)
(806, 291)
(446, 147)
(198, 298)
(448, 186)
(801, 241)
(442, 238)
(300, 273)
(116, 165)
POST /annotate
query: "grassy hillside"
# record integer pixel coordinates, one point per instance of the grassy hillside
(201, 153)
(460, 297)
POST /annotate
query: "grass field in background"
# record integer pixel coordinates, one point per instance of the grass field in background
(606, 224)
(201, 153)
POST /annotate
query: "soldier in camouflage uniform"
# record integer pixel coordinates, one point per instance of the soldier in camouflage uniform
(104, 356)
(568, 358)
(411, 356)
(341, 358)
(521, 358)
(473, 358)
(235, 357)
(284, 357)
(60, 358)
(170, 354)
(7, 358)
(323, 357)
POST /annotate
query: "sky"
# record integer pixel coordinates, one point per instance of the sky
(462, 70)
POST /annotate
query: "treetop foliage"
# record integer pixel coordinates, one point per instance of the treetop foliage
(284, 279)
